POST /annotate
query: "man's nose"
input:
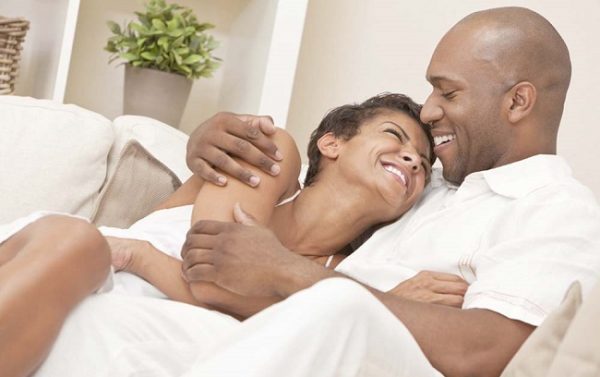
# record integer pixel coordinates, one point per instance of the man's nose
(412, 160)
(431, 111)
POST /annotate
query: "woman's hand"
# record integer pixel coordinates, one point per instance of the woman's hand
(224, 135)
(125, 253)
(434, 288)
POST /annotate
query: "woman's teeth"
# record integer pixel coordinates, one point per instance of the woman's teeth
(392, 169)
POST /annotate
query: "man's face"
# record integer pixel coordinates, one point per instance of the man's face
(464, 108)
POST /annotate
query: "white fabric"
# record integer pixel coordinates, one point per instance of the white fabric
(45, 157)
(519, 234)
(166, 230)
(9, 229)
(346, 332)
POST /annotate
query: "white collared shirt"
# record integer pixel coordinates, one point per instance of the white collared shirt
(519, 234)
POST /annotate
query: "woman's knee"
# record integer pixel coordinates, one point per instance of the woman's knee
(73, 240)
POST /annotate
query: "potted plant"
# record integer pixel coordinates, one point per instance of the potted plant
(163, 51)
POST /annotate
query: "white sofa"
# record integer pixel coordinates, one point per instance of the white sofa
(68, 159)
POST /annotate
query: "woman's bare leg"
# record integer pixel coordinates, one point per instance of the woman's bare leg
(46, 270)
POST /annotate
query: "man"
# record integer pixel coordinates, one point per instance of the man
(509, 218)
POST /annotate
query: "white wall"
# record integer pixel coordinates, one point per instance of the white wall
(42, 45)
(353, 49)
(95, 85)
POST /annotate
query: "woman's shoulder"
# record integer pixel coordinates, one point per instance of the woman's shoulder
(291, 163)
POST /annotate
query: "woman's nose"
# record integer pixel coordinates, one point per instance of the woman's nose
(412, 160)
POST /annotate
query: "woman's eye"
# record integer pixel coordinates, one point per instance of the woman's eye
(395, 133)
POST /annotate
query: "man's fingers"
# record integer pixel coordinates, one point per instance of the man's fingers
(453, 288)
(197, 241)
(223, 162)
(449, 300)
(197, 256)
(206, 172)
(264, 122)
(444, 276)
(209, 227)
(250, 153)
(200, 272)
(253, 130)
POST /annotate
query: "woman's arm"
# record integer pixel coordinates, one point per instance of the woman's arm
(216, 203)
(213, 202)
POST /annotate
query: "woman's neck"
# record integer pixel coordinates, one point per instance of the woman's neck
(323, 219)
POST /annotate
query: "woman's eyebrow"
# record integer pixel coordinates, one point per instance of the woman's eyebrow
(400, 127)
(406, 136)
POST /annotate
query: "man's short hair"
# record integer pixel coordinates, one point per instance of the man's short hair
(345, 122)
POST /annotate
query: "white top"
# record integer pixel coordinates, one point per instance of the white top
(519, 234)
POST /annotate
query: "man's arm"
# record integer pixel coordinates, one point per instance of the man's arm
(252, 262)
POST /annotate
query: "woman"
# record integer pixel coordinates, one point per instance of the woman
(369, 164)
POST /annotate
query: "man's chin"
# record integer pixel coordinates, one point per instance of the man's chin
(452, 176)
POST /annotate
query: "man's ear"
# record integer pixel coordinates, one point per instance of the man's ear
(520, 101)
(329, 145)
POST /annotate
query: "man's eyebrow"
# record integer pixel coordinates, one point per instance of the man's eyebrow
(407, 137)
(438, 79)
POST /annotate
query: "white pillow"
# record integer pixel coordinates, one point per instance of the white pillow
(165, 143)
(52, 157)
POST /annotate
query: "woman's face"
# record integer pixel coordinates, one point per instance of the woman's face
(390, 155)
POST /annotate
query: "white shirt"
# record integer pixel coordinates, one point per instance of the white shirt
(519, 234)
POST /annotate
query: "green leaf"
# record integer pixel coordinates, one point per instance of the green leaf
(183, 51)
(128, 56)
(192, 59)
(141, 41)
(175, 33)
(138, 27)
(158, 24)
(173, 24)
(177, 57)
(148, 55)
(114, 27)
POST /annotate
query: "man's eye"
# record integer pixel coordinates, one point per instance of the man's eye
(395, 133)
(449, 95)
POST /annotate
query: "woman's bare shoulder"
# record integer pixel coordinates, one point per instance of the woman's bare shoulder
(291, 163)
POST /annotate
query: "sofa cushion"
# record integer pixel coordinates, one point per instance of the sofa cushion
(140, 182)
(52, 157)
(579, 352)
(164, 142)
(536, 355)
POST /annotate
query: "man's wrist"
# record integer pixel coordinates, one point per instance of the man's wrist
(300, 274)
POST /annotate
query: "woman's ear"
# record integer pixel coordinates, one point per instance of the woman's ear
(520, 101)
(329, 145)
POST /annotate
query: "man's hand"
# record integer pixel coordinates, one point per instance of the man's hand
(224, 135)
(434, 288)
(245, 259)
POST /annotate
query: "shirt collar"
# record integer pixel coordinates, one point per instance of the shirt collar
(523, 177)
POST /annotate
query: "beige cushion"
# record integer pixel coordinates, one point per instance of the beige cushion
(579, 353)
(164, 142)
(52, 157)
(139, 183)
(536, 355)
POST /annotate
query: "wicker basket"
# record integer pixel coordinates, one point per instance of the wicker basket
(12, 34)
